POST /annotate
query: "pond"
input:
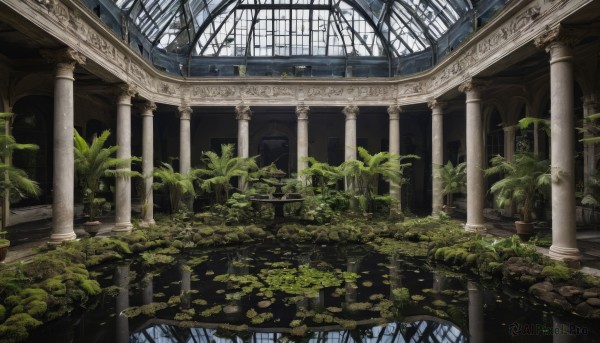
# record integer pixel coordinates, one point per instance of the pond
(312, 293)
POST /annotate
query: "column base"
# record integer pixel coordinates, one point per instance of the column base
(475, 228)
(148, 223)
(570, 256)
(122, 227)
(59, 238)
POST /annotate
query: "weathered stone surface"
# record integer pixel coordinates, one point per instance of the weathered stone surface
(555, 300)
(569, 291)
(594, 302)
(591, 293)
(584, 309)
(541, 287)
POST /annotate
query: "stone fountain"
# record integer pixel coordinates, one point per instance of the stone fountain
(278, 198)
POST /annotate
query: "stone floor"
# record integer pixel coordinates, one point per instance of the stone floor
(25, 237)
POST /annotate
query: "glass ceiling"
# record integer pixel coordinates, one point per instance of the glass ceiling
(389, 28)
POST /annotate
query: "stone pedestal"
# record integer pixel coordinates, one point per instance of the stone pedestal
(64, 168)
(437, 154)
(475, 165)
(148, 161)
(123, 183)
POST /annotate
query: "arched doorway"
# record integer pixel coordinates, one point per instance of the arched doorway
(275, 150)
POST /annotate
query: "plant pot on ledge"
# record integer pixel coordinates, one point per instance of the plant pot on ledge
(4, 244)
(92, 228)
(524, 230)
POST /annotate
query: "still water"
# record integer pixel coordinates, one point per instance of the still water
(267, 293)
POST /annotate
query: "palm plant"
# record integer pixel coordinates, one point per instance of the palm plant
(453, 178)
(177, 184)
(362, 175)
(220, 169)
(522, 180)
(322, 174)
(14, 182)
(93, 162)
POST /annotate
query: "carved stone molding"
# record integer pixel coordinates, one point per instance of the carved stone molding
(302, 112)
(185, 112)
(559, 34)
(394, 111)
(242, 112)
(147, 108)
(351, 112)
(65, 58)
(125, 90)
(437, 105)
(472, 85)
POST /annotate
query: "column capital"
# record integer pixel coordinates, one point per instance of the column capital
(63, 56)
(185, 112)
(243, 112)
(472, 85)
(559, 34)
(302, 112)
(351, 112)
(147, 108)
(436, 105)
(125, 90)
(394, 111)
(510, 128)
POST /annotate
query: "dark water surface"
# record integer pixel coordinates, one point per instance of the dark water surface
(366, 304)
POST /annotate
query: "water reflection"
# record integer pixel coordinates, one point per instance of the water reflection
(121, 303)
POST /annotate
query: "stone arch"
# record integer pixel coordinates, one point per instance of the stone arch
(275, 128)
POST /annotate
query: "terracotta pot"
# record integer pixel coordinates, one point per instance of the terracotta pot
(92, 228)
(524, 230)
(448, 209)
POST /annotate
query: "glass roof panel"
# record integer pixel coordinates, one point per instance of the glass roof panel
(390, 28)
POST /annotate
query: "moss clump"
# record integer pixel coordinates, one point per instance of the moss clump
(16, 327)
(557, 272)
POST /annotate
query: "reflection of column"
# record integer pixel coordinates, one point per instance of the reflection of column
(148, 161)
(64, 172)
(185, 159)
(242, 114)
(122, 302)
(148, 289)
(562, 129)
(352, 266)
(302, 144)
(123, 183)
(590, 106)
(476, 322)
(475, 191)
(437, 154)
(562, 331)
(394, 148)
(186, 286)
(395, 275)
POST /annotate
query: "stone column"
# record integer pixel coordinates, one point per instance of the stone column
(185, 146)
(394, 148)
(302, 113)
(562, 137)
(509, 155)
(475, 191)
(437, 154)
(351, 112)
(148, 161)
(243, 114)
(591, 105)
(63, 182)
(123, 183)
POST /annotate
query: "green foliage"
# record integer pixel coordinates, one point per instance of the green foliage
(219, 170)
(94, 162)
(453, 178)
(523, 179)
(14, 182)
(322, 175)
(557, 272)
(176, 184)
(362, 175)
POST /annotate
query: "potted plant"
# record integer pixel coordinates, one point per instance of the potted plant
(522, 181)
(92, 163)
(454, 179)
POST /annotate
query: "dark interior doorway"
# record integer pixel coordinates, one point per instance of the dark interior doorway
(275, 150)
